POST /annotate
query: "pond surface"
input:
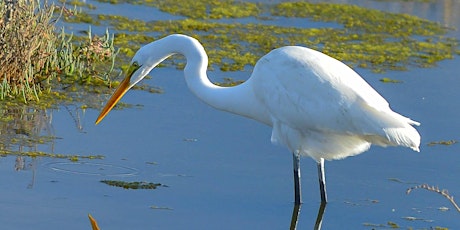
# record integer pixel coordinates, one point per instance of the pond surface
(220, 171)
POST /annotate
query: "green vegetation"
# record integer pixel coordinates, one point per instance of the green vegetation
(44, 67)
(228, 82)
(358, 36)
(449, 142)
(36, 59)
(389, 80)
(26, 40)
(202, 9)
(132, 185)
(33, 154)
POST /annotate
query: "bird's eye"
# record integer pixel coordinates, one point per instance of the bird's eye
(133, 68)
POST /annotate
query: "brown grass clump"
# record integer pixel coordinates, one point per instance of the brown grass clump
(35, 58)
(27, 37)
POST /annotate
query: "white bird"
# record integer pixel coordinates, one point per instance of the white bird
(316, 105)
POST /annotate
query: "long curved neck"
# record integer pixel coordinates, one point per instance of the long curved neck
(238, 99)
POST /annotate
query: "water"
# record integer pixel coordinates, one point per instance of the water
(222, 172)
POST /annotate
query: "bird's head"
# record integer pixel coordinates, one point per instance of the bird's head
(134, 74)
(145, 59)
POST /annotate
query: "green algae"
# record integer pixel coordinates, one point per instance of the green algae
(389, 80)
(360, 19)
(34, 154)
(228, 82)
(202, 9)
(362, 37)
(132, 185)
(447, 143)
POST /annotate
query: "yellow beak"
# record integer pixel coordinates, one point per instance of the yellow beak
(121, 90)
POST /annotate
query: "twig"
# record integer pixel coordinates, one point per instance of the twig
(436, 189)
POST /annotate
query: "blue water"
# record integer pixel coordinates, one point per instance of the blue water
(222, 172)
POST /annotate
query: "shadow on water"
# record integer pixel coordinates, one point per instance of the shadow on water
(319, 217)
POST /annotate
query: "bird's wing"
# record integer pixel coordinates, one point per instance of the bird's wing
(308, 90)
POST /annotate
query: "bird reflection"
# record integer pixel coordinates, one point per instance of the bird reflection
(319, 217)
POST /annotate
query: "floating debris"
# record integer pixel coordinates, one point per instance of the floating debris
(449, 142)
(389, 80)
(411, 218)
(160, 208)
(190, 139)
(50, 155)
(389, 224)
(133, 185)
(397, 180)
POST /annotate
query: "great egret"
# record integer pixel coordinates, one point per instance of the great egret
(316, 105)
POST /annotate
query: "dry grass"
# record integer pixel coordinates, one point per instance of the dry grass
(37, 58)
(26, 39)
(436, 189)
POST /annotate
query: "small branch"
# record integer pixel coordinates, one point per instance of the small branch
(436, 189)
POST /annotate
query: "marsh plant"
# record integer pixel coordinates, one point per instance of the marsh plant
(37, 57)
(26, 38)
(40, 61)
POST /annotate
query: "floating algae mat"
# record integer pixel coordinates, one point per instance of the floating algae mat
(359, 36)
(132, 185)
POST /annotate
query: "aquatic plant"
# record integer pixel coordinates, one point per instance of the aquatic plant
(389, 80)
(201, 9)
(358, 36)
(449, 142)
(228, 82)
(34, 54)
(26, 39)
(132, 185)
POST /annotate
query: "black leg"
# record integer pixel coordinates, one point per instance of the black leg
(322, 181)
(295, 216)
(297, 192)
(319, 217)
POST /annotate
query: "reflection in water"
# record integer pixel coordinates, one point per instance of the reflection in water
(23, 128)
(76, 117)
(27, 131)
(295, 216)
(20, 164)
(319, 217)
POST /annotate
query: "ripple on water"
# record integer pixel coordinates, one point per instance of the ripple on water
(92, 169)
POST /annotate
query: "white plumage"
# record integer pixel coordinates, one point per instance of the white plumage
(317, 106)
(322, 108)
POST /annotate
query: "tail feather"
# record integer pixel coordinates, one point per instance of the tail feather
(408, 137)
(391, 128)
